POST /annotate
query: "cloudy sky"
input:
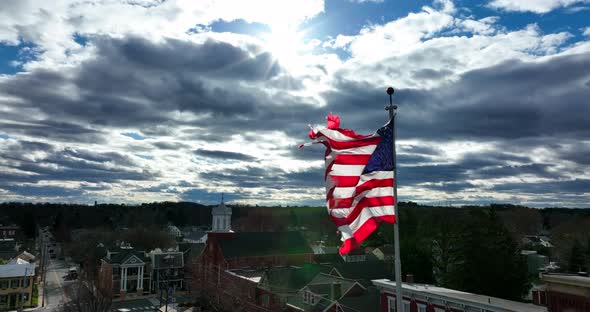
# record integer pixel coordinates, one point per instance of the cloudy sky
(150, 100)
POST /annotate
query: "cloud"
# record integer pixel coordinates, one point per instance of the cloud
(535, 6)
(224, 155)
(480, 104)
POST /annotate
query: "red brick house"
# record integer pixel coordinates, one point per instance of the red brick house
(428, 298)
(564, 293)
(219, 272)
(125, 273)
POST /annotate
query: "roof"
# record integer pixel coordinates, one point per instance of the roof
(479, 301)
(328, 258)
(574, 280)
(369, 301)
(27, 256)
(17, 270)
(252, 244)
(222, 209)
(328, 280)
(17, 261)
(121, 255)
(321, 303)
(289, 279)
(168, 260)
(321, 285)
(253, 275)
(363, 272)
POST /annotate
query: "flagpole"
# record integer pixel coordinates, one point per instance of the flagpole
(398, 263)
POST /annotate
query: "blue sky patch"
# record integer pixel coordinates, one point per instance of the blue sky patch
(133, 135)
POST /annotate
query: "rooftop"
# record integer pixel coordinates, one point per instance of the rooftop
(253, 244)
(17, 270)
(575, 280)
(253, 275)
(479, 301)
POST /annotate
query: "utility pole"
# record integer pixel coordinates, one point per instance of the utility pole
(398, 263)
(23, 286)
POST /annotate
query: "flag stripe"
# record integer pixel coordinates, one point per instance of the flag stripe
(375, 188)
(340, 145)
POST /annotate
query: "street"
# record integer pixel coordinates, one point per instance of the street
(55, 285)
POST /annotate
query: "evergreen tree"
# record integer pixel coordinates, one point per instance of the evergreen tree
(488, 261)
(576, 261)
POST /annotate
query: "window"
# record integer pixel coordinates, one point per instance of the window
(406, 305)
(421, 307)
(4, 284)
(15, 283)
(265, 300)
(390, 304)
(3, 299)
(312, 299)
(306, 296)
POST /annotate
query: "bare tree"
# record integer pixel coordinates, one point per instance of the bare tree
(86, 296)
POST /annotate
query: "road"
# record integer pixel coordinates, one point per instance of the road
(54, 288)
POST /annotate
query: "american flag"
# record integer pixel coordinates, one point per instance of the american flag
(359, 179)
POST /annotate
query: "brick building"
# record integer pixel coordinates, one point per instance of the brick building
(125, 272)
(564, 293)
(9, 231)
(428, 298)
(228, 269)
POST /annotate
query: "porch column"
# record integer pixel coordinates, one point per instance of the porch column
(123, 279)
(140, 278)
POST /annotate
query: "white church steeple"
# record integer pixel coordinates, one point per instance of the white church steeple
(221, 218)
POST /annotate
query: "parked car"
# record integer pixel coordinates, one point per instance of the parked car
(72, 274)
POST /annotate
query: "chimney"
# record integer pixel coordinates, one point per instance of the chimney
(336, 291)
(410, 278)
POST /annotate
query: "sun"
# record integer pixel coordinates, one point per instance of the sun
(286, 45)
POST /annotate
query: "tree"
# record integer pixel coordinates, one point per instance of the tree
(576, 262)
(87, 296)
(488, 252)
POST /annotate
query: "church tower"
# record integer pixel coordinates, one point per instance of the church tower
(221, 218)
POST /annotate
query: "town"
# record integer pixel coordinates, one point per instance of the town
(228, 265)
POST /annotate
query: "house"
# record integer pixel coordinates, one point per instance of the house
(563, 293)
(336, 294)
(9, 231)
(384, 253)
(174, 231)
(278, 284)
(16, 285)
(194, 234)
(125, 272)
(536, 241)
(535, 261)
(428, 298)
(167, 270)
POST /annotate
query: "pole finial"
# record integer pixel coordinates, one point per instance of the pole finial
(390, 90)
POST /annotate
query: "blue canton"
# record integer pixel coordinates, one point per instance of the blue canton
(382, 158)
